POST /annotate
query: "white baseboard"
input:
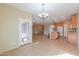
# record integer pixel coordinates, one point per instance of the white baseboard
(14, 47)
(9, 49)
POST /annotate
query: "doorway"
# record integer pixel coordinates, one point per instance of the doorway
(24, 31)
(38, 29)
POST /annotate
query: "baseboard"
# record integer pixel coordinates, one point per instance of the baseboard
(15, 47)
(10, 49)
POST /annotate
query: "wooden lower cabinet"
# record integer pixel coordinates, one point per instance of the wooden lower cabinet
(72, 37)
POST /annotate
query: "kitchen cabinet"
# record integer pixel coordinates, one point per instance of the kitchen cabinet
(74, 21)
(72, 37)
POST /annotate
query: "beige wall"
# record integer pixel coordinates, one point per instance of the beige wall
(9, 18)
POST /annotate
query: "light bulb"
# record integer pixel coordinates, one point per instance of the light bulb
(46, 14)
(40, 14)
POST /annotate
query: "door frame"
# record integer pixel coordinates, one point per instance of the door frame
(22, 20)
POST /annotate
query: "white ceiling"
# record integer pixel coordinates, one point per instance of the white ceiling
(57, 11)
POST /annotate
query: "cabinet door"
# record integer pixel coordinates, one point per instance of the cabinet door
(74, 21)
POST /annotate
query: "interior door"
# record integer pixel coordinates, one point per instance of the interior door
(24, 32)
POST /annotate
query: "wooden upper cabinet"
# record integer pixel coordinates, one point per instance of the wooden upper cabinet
(74, 21)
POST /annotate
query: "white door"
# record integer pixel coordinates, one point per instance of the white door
(24, 31)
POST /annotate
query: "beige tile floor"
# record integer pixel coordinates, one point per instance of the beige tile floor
(42, 46)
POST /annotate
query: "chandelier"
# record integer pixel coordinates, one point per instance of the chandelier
(43, 15)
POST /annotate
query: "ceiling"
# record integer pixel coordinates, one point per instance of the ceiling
(57, 11)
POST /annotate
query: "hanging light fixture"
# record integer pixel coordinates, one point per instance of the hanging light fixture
(43, 14)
